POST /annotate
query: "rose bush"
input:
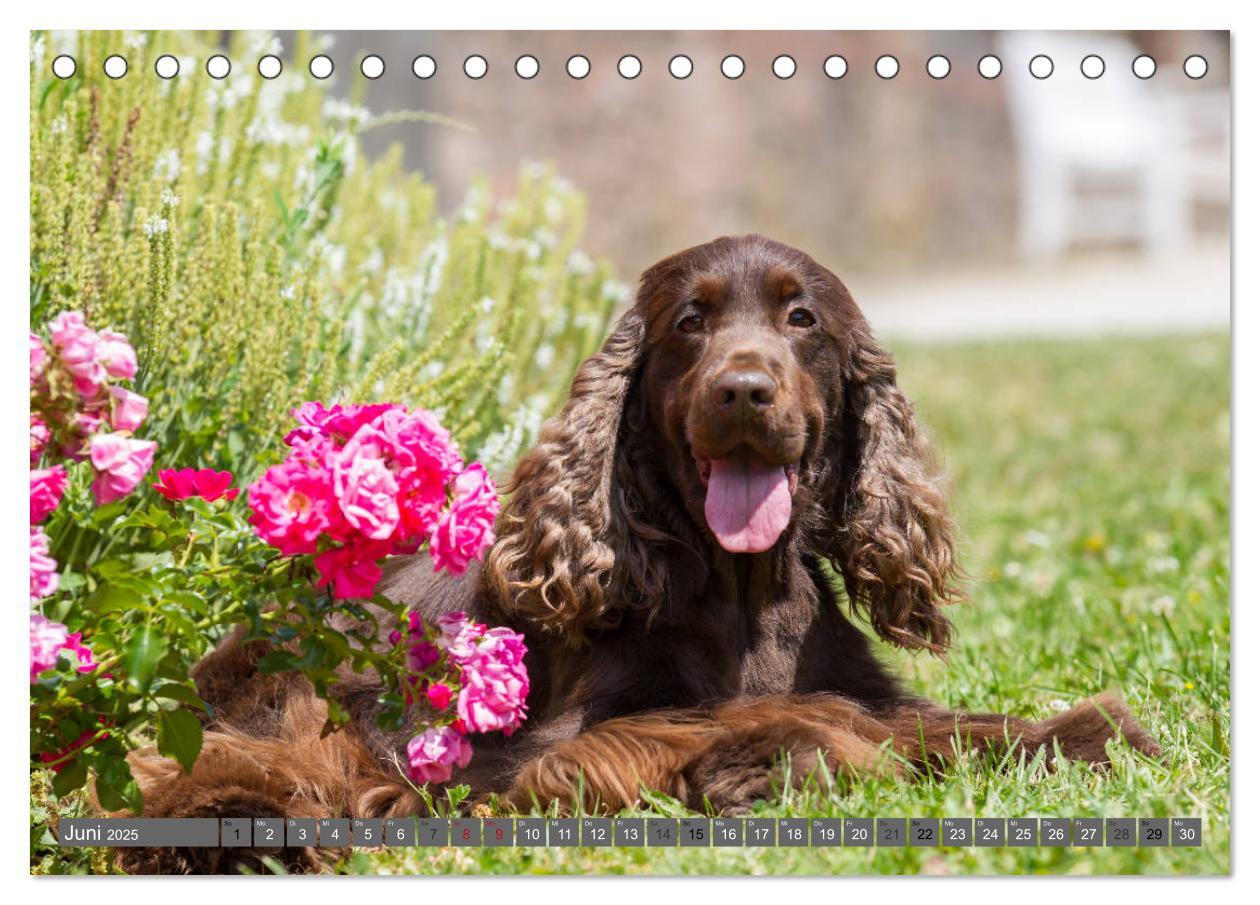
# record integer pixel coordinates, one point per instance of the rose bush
(162, 580)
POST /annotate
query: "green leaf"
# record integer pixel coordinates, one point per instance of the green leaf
(141, 657)
(110, 598)
(179, 737)
(276, 661)
(116, 788)
(173, 691)
(72, 776)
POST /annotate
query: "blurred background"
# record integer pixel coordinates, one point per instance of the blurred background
(963, 206)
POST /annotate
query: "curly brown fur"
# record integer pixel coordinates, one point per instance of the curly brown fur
(664, 654)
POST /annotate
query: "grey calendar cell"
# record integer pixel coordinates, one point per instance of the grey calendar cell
(695, 832)
(890, 831)
(1186, 831)
(1152, 831)
(365, 832)
(433, 831)
(826, 831)
(759, 831)
(793, 832)
(563, 831)
(597, 831)
(728, 831)
(662, 831)
(1088, 832)
(956, 832)
(465, 831)
(300, 831)
(334, 832)
(990, 831)
(1056, 832)
(1021, 831)
(629, 831)
(131, 832)
(1121, 832)
(925, 832)
(268, 832)
(859, 831)
(400, 831)
(497, 831)
(236, 832)
(531, 831)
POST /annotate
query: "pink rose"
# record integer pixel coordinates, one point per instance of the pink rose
(291, 505)
(116, 355)
(457, 635)
(439, 695)
(121, 464)
(465, 531)
(74, 644)
(432, 754)
(339, 423)
(78, 347)
(47, 486)
(47, 640)
(130, 409)
(493, 695)
(352, 571)
(39, 358)
(40, 435)
(366, 491)
(44, 578)
(187, 483)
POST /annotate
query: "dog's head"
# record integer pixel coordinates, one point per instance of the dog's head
(742, 407)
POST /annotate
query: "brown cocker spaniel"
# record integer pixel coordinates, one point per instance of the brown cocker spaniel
(668, 549)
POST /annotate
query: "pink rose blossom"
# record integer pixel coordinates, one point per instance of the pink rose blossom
(457, 635)
(40, 435)
(116, 355)
(495, 684)
(292, 505)
(187, 483)
(367, 493)
(130, 409)
(121, 464)
(39, 358)
(47, 486)
(74, 644)
(465, 531)
(47, 640)
(44, 578)
(338, 423)
(79, 349)
(351, 571)
(432, 754)
(439, 695)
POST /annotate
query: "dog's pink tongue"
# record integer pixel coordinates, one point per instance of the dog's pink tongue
(748, 504)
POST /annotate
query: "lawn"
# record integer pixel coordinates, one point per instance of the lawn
(1092, 492)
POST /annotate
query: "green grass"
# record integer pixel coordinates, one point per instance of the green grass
(1092, 492)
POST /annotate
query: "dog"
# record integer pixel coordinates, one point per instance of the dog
(735, 476)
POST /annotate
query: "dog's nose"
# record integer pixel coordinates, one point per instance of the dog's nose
(744, 390)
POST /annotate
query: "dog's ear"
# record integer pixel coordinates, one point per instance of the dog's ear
(894, 542)
(571, 555)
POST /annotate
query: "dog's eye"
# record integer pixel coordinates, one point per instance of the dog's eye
(692, 323)
(800, 318)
